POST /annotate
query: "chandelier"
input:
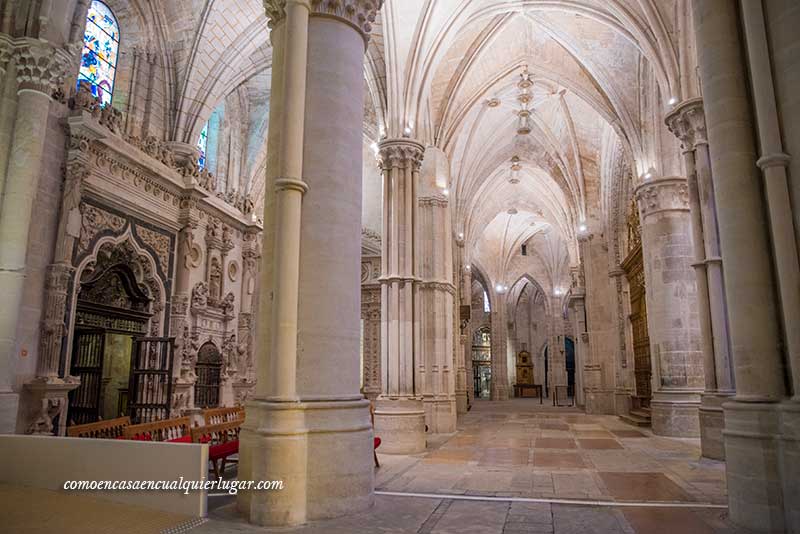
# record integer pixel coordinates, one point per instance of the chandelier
(515, 168)
(525, 96)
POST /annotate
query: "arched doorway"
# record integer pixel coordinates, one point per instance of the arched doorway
(112, 310)
(209, 376)
(569, 356)
(482, 362)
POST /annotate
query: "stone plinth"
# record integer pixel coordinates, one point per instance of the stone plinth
(400, 423)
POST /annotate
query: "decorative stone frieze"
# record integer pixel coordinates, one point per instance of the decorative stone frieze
(662, 194)
(6, 51)
(40, 66)
(54, 329)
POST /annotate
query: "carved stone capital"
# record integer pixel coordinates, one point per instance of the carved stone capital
(6, 50)
(360, 14)
(662, 194)
(688, 122)
(400, 154)
(40, 66)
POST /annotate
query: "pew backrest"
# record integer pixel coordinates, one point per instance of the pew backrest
(212, 416)
(217, 433)
(109, 429)
(163, 430)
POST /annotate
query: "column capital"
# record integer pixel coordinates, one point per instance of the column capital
(688, 122)
(400, 153)
(662, 194)
(360, 14)
(6, 50)
(41, 66)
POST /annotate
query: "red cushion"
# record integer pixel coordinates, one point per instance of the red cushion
(204, 439)
(223, 450)
(376, 442)
(120, 437)
(182, 439)
(143, 437)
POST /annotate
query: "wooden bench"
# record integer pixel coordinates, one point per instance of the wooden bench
(176, 430)
(222, 439)
(212, 416)
(110, 429)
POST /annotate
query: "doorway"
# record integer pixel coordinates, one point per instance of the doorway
(642, 366)
(570, 364)
(482, 363)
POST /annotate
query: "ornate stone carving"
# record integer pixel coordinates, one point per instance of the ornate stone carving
(433, 202)
(59, 277)
(358, 13)
(227, 304)
(6, 50)
(662, 194)
(50, 408)
(186, 347)
(160, 243)
(40, 66)
(94, 221)
(200, 295)
(400, 154)
(687, 121)
(230, 355)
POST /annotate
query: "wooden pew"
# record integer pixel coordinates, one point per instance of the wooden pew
(222, 439)
(212, 416)
(176, 430)
(110, 429)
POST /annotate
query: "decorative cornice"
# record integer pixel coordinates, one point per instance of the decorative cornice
(662, 194)
(400, 153)
(41, 67)
(6, 50)
(360, 14)
(688, 122)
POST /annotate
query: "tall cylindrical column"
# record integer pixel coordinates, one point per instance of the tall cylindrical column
(671, 295)
(40, 69)
(752, 418)
(499, 383)
(308, 423)
(399, 412)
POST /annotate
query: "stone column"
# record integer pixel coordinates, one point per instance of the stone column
(687, 122)
(466, 335)
(578, 305)
(671, 306)
(499, 385)
(437, 303)
(399, 412)
(308, 424)
(40, 70)
(752, 418)
(462, 327)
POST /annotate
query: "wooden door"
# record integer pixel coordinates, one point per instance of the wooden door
(87, 364)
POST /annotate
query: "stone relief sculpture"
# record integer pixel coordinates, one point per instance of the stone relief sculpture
(200, 295)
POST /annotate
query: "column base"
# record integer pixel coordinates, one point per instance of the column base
(400, 423)
(499, 393)
(440, 415)
(753, 467)
(462, 403)
(712, 422)
(599, 401)
(9, 407)
(320, 449)
(676, 413)
(790, 462)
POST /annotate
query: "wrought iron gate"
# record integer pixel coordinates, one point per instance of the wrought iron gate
(209, 373)
(150, 389)
(87, 364)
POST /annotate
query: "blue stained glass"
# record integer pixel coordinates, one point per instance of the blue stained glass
(202, 144)
(100, 51)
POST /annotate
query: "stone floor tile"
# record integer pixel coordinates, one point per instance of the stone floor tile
(652, 487)
(547, 459)
(554, 443)
(598, 443)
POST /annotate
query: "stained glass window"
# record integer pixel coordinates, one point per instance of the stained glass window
(486, 307)
(100, 50)
(202, 144)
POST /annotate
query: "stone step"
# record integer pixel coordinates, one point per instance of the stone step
(635, 420)
(641, 412)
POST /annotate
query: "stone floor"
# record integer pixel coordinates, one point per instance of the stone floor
(593, 474)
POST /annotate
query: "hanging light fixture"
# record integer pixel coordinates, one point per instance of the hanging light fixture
(525, 97)
(515, 168)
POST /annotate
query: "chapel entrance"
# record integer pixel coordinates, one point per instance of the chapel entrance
(110, 353)
(482, 363)
(634, 271)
